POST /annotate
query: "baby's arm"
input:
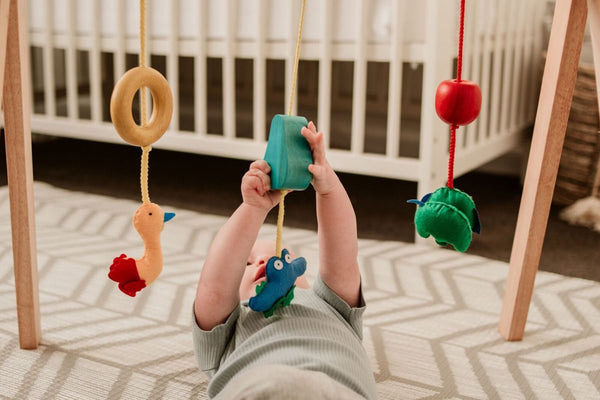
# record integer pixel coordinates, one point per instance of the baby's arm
(338, 242)
(218, 289)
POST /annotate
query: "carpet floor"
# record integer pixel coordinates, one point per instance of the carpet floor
(430, 328)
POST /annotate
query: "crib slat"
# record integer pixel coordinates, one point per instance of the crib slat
(394, 111)
(498, 46)
(95, 69)
(482, 121)
(537, 62)
(515, 94)
(526, 32)
(465, 132)
(119, 58)
(469, 39)
(173, 62)
(474, 62)
(526, 67)
(72, 94)
(48, 65)
(360, 80)
(200, 112)
(324, 102)
(509, 49)
(229, 74)
(259, 94)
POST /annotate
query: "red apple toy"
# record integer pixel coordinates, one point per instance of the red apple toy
(458, 103)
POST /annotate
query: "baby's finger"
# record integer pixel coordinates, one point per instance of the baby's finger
(275, 196)
(252, 182)
(319, 148)
(316, 144)
(259, 186)
(316, 170)
(312, 127)
(264, 178)
(261, 165)
(309, 136)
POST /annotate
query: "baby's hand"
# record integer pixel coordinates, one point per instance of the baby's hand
(256, 186)
(324, 178)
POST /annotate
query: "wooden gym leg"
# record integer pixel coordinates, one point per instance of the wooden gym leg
(562, 62)
(20, 172)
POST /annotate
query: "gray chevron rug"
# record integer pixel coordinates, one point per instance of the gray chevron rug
(430, 328)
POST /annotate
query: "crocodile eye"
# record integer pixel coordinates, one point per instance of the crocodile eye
(288, 258)
(278, 265)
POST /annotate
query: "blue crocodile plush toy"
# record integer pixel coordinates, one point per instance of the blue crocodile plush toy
(278, 288)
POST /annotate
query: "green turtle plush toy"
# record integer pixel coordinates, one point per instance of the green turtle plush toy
(449, 215)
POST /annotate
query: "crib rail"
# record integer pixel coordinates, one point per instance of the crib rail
(502, 53)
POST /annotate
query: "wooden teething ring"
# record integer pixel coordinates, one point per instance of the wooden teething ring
(122, 98)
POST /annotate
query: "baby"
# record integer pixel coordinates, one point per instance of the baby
(309, 350)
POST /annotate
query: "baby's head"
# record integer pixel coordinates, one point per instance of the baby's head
(256, 264)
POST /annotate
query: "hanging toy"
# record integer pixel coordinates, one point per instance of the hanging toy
(135, 274)
(448, 214)
(278, 288)
(289, 155)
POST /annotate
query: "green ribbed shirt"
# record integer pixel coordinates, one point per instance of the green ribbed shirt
(318, 332)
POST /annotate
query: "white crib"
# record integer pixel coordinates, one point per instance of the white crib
(387, 48)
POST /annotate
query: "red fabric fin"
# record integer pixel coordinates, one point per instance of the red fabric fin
(124, 271)
(131, 288)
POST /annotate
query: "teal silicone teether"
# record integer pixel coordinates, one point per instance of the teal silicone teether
(288, 153)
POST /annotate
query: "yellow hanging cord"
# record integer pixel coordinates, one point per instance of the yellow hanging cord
(281, 212)
(295, 71)
(144, 174)
(143, 118)
(280, 223)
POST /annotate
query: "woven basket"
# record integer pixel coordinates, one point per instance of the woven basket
(578, 172)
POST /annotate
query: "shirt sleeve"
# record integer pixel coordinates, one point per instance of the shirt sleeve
(352, 315)
(209, 346)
